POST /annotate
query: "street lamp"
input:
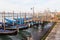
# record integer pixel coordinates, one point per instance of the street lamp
(33, 10)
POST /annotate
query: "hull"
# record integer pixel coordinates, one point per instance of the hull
(8, 32)
(20, 27)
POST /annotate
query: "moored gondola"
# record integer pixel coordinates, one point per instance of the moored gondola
(20, 27)
(7, 32)
(19, 23)
(4, 31)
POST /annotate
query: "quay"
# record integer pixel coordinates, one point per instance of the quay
(55, 33)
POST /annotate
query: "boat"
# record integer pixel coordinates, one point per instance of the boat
(33, 21)
(20, 27)
(7, 32)
(10, 22)
(4, 31)
(27, 21)
(19, 23)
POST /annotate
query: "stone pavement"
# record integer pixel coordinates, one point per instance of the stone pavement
(55, 33)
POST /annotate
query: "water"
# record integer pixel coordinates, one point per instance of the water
(36, 33)
(10, 16)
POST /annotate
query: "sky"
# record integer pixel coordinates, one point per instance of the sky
(26, 5)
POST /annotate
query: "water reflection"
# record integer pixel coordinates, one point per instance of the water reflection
(5, 37)
(38, 33)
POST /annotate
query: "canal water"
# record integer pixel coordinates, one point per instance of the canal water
(35, 33)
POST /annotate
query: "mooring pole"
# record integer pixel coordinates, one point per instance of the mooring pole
(4, 20)
(20, 17)
(13, 17)
(17, 23)
(25, 17)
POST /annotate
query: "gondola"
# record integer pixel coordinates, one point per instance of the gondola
(4, 31)
(19, 23)
(31, 22)
(7, 32)
(20, 27)
(23, 21)
(9, 22)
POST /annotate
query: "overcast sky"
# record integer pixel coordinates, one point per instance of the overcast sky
(26, 5)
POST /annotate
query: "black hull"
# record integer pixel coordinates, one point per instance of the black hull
(12, 32)
(16, 28)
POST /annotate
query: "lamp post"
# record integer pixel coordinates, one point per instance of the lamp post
(32, 12)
